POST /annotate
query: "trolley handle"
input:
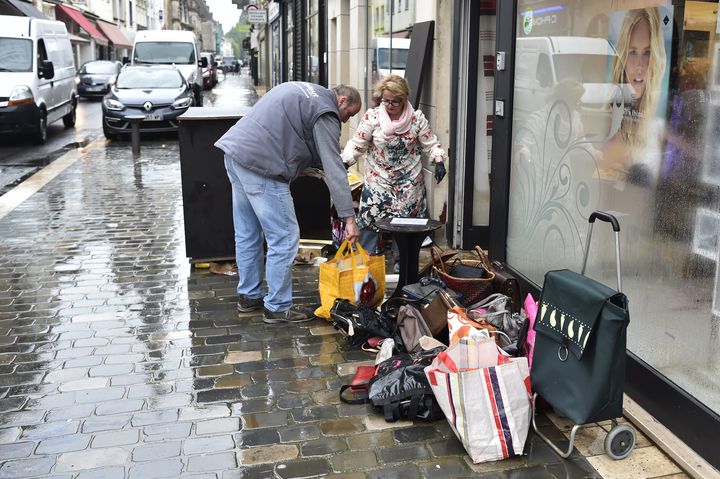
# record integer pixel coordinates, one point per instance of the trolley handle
(606, 217)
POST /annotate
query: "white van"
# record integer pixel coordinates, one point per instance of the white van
(37, 76)
(541, 63)
(386, 60)
(171, 47)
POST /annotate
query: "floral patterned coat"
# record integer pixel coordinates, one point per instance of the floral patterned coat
(394, 183)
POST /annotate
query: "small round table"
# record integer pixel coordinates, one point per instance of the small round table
(409, 238)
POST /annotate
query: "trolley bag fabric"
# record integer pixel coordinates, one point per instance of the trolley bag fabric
(579, 358)
(353, 275)
(485, 397)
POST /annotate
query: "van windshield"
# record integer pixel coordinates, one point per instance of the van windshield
(399, 58)
(180, 53)
(583, 67)
(15, 55)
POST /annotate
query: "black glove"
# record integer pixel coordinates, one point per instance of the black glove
(439, 171)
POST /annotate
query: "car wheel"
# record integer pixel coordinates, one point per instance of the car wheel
(69, 119)
(40, 134)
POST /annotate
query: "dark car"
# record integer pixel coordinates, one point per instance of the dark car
(155, 93)
(93, 78)
(231, 64)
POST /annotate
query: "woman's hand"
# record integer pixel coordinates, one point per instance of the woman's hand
(439, 171)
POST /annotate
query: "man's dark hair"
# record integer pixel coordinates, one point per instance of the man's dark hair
(351, 93)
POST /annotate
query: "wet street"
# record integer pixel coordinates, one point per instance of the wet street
(119, 361)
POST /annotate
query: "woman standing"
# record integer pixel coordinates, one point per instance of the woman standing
(392, 137)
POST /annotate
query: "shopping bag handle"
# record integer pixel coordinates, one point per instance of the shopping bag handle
(346, 249)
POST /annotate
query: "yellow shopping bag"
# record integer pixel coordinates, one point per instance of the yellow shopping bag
(353, 275)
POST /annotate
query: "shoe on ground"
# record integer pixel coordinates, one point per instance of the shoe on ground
(248, 305)
(296, 314)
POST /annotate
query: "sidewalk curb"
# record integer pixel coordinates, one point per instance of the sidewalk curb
(13, 198)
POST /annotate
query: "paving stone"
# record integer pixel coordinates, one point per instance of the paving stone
(307, 468)
(408, 471)
(318, 413)
(323, 447)
(10, 434)
(370, 440)
(156, 469)
(70, 412)
(263, 454)
(202, 445)
(214, 426)
(257, 437)
(116, 407)
(161, 450)
(16, 450)
(160, 432)
(92, 459)
(416, 434)
(444, 468)
(194, 413)
(253, 406)
(353, 461)
(105, 423)
(154, 417)
(50, 429)
(113, 472)
(115, 438)
(262, 420)
(212, 462)
(340, 427)
(56, 445)
(33, 467)
(403, 453)
(301, 432)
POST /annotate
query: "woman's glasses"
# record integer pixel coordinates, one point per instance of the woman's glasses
(391, 102)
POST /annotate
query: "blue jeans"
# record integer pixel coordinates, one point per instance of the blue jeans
(263, 207)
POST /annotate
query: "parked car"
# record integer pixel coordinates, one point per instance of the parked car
(231, 64)
(160, 93)
(93, 79)
(209, 72)
(37, 76)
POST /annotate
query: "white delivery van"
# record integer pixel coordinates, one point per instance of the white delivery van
(541, 63)
(387, 60)
(37, 76)
(171, 47)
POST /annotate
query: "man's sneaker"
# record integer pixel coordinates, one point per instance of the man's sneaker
(248, 305)
(296, 314)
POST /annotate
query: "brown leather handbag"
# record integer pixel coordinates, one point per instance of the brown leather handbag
(471, 278)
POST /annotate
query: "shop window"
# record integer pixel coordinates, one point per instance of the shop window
(616, 116)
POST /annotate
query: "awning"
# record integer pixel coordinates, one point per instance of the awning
(77, 39)
(78, 17)
(117, 37)
(27, 9)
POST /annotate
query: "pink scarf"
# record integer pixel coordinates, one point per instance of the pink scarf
(395, 127)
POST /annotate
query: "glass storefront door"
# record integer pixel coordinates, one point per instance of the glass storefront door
(616, 109)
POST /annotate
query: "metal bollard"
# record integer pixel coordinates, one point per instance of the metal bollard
(135, 121)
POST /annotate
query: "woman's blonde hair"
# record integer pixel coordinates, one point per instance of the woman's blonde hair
(656, 68)
(396, 85)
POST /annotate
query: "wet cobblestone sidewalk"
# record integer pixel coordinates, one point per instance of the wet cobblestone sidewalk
(117, 360)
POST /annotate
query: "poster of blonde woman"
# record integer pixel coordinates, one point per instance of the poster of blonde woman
(641, 38)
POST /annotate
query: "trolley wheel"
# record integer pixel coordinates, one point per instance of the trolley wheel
(620, 441)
